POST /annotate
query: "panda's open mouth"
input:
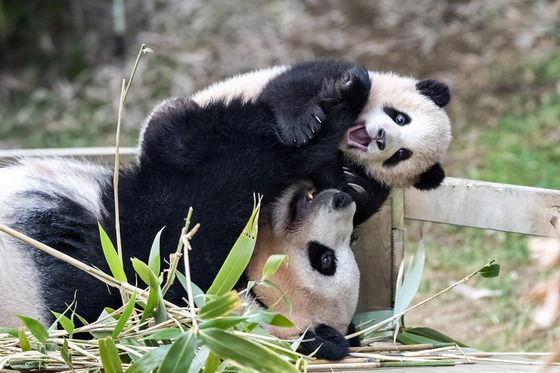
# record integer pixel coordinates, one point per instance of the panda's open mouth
(357, 137)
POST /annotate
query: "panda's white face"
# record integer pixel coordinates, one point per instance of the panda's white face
(322, 279)
(400, 133)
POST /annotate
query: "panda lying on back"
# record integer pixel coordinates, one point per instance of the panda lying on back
(212, 157)
(397, 140)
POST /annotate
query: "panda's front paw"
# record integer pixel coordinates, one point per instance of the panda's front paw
(298, 127)
(368, 193)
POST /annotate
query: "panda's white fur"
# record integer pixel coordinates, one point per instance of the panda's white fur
(428, 135)
(317, 298)
(79, 181)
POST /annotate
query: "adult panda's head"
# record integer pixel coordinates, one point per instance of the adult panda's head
(322, 278)
(402, 132)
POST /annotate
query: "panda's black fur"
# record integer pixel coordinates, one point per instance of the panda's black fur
(213, 158)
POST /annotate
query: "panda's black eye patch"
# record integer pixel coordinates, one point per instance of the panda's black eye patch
(400, 118)
(399, 156)
(322, 259)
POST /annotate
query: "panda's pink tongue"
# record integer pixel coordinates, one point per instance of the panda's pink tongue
(357, 137)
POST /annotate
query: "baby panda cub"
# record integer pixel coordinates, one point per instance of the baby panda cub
(322, 278)
(397, 140)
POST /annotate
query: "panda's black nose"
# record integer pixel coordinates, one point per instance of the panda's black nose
(380, 139)
(341, 200)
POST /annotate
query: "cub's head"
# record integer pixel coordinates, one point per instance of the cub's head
(322, 278)
(402, 131)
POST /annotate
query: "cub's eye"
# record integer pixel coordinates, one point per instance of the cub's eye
(400, 120)
(327, 260)
(400, 155)
(321, 258)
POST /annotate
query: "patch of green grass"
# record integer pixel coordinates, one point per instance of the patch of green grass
(522, 149)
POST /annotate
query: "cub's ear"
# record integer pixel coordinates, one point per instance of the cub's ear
(438, 92)
(431, 178)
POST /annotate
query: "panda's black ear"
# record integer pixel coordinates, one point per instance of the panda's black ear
(438, 92)
(431, 178)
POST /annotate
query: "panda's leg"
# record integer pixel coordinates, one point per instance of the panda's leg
(302, 96)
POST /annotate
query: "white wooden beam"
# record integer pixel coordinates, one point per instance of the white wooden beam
(480, 204)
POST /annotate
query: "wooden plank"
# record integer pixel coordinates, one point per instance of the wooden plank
(104, 155)
(374, 256)
(501, 207)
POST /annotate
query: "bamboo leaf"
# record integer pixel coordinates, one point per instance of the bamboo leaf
(145, 273)
(65, 322)
(198, 294)
(11, 331)
(490, 270)
(154, 261)
(110, 356)
(36, 328)
(111, 256)
(244, 352)
(223, 322)
(65, 354)
(125, 315)
(273, 263)
(220, 306)
(23, 341)
(170, 333)
(238, 258)
(150, 361)
(212, 363)
(181, 354)
(270, 318)
(430, 336)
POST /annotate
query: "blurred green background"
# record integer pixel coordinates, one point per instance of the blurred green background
(60, 81)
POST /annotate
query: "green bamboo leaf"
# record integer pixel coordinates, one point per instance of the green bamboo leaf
(270, 318)
(273, 263)
(244, 352)
(437, 338)
(181, 354)
(145, 273)
(65, 354)
(198, 294)
(170, 333)
(11, 331)
(110, 356)
(490, 270)
(65, 322)
(284, 298)
(238, 257)
(220, 306)
(23, 341)
(125, 315)
(154, 261)
(111, 256)
(411, 282)
(36, 328)
(212, 363)
(150, 361)
(223, 322)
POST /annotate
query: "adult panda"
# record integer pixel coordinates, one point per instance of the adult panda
(397, 140)
(212, 157)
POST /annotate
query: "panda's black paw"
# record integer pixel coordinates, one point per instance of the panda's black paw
(297, 127)
(329, 343)
(368, 193)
